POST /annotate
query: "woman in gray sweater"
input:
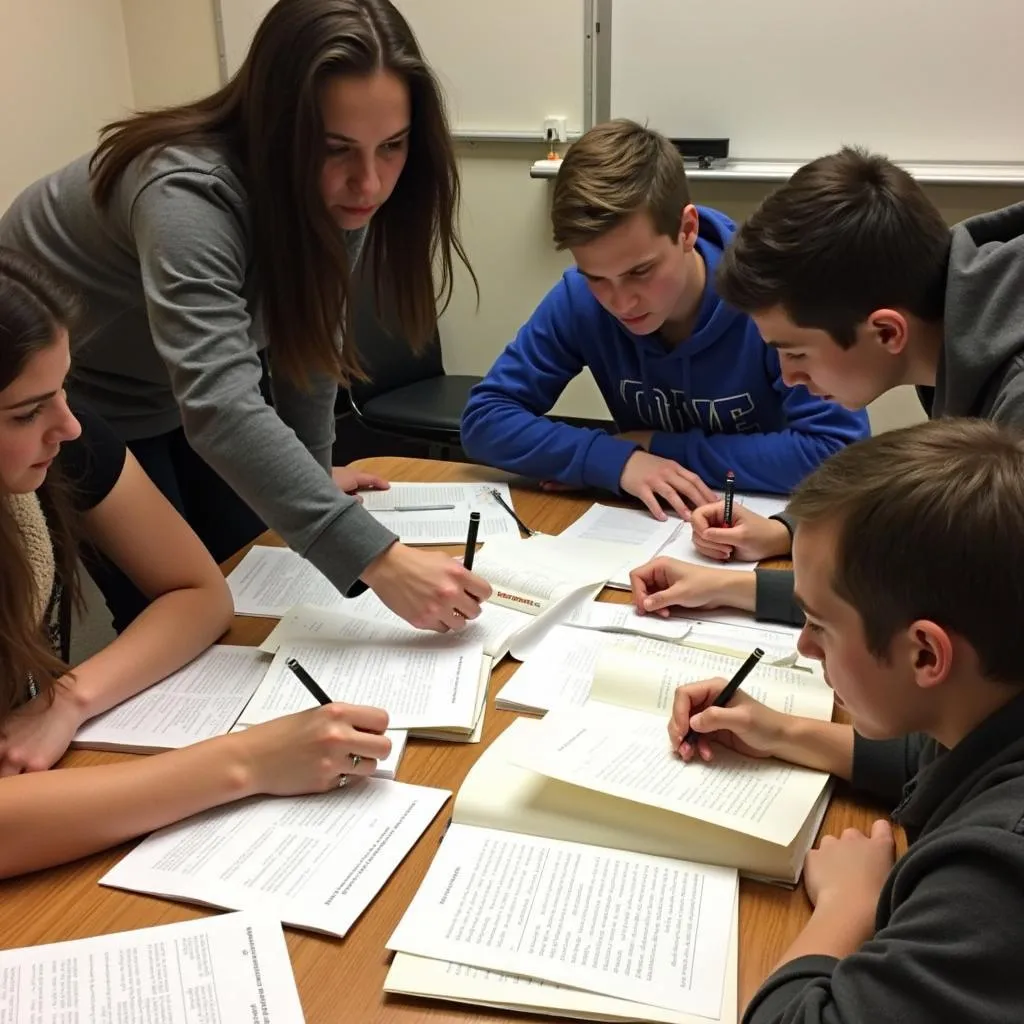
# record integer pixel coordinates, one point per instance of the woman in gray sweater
(203, 235)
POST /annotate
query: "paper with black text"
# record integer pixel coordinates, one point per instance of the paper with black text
(427, 681)
(645, 678)
(202, 700)
(268, 581)
(312, 861)
(646, 929)
(777, 641)
(229, 969)
(622, 618)
(626, 753)
(441, 979)
(493, 628)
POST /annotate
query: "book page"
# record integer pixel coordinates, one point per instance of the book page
(498, 792)
(447, 527)
(199, 701)
(476, 496)
(268, 581)
(627, 754)
(312, 861)
(531, 575)
(646, 679)
(648, 929)
(427, 682)
(441, 979)
(229, 969)
(777, 641)
(493, 628)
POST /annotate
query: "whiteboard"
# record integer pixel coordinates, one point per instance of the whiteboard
(503, 67)
(918, 80)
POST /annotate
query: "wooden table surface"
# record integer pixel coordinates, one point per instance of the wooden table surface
(340, 980)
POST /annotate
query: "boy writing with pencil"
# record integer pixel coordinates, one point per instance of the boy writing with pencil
(688, 381)
(853, 277)
(913, 592)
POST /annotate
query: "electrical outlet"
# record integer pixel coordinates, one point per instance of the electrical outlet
(555, 129)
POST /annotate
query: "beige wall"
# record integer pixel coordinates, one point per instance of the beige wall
(63, 74)
(83, 63)
(172, 50)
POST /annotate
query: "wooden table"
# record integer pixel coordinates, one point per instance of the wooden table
(340, 981)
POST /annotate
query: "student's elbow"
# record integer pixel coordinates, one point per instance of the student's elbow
(219, 603)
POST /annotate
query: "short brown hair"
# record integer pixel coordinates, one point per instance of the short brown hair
(849, 233)
(929, 527)
(616, 169)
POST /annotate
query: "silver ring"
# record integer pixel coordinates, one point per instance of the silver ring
(343, 782)
(355, 759)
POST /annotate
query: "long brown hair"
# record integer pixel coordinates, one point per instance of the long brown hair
(34, 308)
(268, 118)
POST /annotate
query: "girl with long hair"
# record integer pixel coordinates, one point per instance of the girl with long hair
(67, 482)
(207, 234)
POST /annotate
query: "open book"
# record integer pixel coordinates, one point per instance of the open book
(232, 969)
(609, 753)
(312, 861)
(426, 682)
(525, 886)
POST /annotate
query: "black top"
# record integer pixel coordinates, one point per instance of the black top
(92, 463)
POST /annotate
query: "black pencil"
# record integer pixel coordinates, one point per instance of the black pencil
(729, 690)
(308, 682)
(474, 526)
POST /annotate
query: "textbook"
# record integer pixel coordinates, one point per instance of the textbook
(232, 969)
(541, 880)
(605, 758)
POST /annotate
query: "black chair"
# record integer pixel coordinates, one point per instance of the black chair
(407, 396)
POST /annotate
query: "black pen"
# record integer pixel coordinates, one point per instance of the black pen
(496, 494)
(729, 690)
(474, 526)
(308, 682)
(730, 497)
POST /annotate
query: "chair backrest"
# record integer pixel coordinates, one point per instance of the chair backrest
(385, 355)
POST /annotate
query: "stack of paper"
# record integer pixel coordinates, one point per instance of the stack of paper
(198, 702)
(314, 862)
(233, 969)
(411, 511)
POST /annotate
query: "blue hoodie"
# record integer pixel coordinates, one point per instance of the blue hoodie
(715, 401)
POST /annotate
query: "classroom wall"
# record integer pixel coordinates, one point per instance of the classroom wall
(63, 73)
(85, 63)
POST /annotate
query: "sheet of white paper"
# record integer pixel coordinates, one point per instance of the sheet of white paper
(560, 669)
(622, 618)
(386, 769)
(230, 969)
(312, 861)
(626, 753)
(476, 495)
(268, 581)
(442, 979)
(493, 628)
(425, 682)
(778, 642)
(650, 929)
(201, 700)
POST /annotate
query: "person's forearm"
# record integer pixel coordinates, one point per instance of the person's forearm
(824, 746)
(169, 633)
(49, 818)
(737, 590)
(832, 931)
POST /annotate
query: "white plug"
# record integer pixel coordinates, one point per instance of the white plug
(555, 129)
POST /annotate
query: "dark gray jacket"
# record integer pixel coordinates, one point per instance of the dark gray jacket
(981, 370)
(949, 928)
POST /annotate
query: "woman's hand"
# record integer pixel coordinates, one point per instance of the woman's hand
(38, 733)
(750, 538)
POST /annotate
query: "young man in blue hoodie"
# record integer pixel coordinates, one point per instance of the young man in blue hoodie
(692, 388)
(854, 278)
